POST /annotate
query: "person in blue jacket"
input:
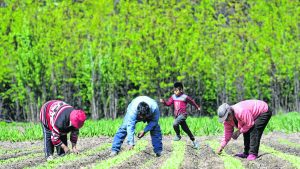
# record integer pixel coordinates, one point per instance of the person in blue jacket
(145, 109)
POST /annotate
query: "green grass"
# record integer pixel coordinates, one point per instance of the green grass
(229, 161)
(121, 157)
(177, 156)
(200, 126)
(72, 157)
(294, 160)
(21, 158)
(287, 142)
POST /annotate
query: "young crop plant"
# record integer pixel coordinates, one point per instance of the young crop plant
(287, 142)
(122, 156)
(20, 158)
(72, 157)
(294, 160)
(176, 157)
(229, 161)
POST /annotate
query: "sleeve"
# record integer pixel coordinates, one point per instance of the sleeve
(153, 122)
(55, 137)
(130, 128)
(246, 121)
(228, 131)
(169, 102)
(74, 136)
(192, 102)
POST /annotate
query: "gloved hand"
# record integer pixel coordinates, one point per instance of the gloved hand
(141, 134)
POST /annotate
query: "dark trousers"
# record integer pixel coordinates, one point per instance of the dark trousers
(48, 146)
(253, 136)
(181, 120)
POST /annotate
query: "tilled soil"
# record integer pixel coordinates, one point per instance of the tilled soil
(204, 157)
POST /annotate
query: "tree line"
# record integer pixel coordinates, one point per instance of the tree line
(99, 55)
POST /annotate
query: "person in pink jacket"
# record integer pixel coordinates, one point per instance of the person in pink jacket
(250, 117)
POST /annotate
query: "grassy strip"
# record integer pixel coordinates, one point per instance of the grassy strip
(123, 156)
(21, 158)
(72, 157)
(287, 142)
(13, 152)
(201, 126)
(229, 161)
(148, 164)
(288, 157)
(177, 155)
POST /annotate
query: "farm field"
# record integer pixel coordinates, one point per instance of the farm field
(278, 150)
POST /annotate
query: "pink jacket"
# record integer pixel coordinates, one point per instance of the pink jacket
(246, 113)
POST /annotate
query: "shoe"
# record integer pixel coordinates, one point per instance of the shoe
(241, 155)
(49, 158)
(158, 154)
(113, 153)
(176, 138)
(251, 157)
(195, 145)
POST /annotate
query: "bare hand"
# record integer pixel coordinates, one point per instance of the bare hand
(130, 147)
(141, 134)
(65, 148)
(219, 151)
(235, 135)
(75, 151)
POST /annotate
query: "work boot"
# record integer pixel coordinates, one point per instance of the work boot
(113, 153)
(158, 154)
(195, 145)
(176, 138)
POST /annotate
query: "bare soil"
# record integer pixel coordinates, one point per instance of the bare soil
(205, 157)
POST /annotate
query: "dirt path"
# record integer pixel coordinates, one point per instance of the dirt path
(13, 156)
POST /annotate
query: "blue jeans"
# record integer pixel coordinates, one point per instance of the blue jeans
(156, 138)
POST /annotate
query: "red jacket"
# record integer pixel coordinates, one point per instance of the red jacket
(55, 115)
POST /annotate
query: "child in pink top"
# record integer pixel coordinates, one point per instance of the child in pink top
(250, 117)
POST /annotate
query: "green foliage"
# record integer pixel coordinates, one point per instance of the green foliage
(176, 157)
(95, 53)
(123, 156)
(229, 161)
(200, 126)
(294, 160)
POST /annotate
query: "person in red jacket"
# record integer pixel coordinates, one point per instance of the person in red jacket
(58, 118)
(180, 100)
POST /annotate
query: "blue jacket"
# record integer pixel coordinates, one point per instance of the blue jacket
(131, 117)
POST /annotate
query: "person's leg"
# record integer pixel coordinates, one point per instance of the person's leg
(187, 130)
(64, 140)
(119, 139)
(48, 146)
(176, 127)
(156, 138)
(246, 145)
(255, 136)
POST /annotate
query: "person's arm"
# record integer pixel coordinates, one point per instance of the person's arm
(228, 130)
(73, 139)
(192, 102)
(153, 122)
(130, 128)
(169, 102)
